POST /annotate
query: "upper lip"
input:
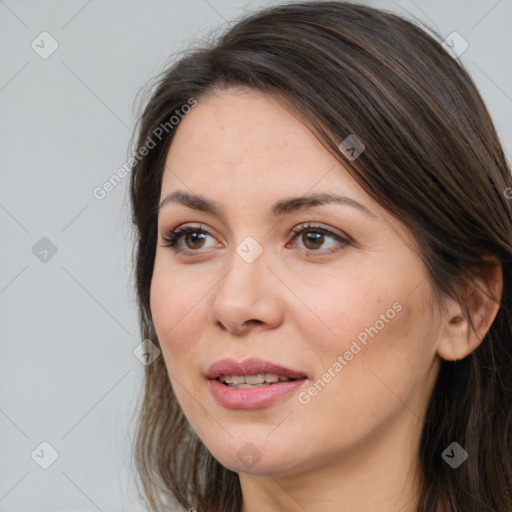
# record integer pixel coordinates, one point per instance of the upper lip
(251, 366)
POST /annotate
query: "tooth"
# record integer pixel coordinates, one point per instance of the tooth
(246, 381)
(244, 386)
(255, 379)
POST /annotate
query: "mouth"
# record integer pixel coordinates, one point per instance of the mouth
(251, 371)
(253, 383)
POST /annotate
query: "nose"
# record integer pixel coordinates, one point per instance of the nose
(247, 297)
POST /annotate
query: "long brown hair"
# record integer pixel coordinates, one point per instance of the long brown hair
(432, 158)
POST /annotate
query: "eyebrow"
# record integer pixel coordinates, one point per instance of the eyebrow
(279, 208)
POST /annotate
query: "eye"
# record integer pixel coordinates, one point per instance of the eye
(194, 238)
(191, 239)
(315, 238)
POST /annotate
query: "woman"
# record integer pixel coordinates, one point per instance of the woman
(324, 259)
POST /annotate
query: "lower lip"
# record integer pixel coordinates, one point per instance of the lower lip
(252, 398)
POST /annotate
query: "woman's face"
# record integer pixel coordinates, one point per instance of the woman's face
(270, 282)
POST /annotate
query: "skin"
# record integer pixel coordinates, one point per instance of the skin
(354, 445)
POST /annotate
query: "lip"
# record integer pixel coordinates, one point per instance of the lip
(258, 397)
(251, 366)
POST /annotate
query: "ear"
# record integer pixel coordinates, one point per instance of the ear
(483, 299)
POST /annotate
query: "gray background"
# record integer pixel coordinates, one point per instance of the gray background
(68, 324)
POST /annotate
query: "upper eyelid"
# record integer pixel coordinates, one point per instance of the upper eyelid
(305, 226)
(302, 225)
(295, 231)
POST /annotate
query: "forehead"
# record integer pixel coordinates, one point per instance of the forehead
(246, 152)
(245, 138)
(234, 124)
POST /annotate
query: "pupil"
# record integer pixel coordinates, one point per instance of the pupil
(316, 239)
(196, 238)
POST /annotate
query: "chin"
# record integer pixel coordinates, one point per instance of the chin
(257, 457)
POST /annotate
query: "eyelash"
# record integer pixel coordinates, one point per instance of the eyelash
(172, 238)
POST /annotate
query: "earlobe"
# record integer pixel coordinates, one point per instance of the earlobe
(460, 338)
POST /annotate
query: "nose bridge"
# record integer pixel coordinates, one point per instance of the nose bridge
(244, 293)
(247, 265)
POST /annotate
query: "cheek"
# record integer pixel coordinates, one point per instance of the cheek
(364, 303)
(394, 362)
(337, 311)
(175, 307)
(368, 329)
(366, 380)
